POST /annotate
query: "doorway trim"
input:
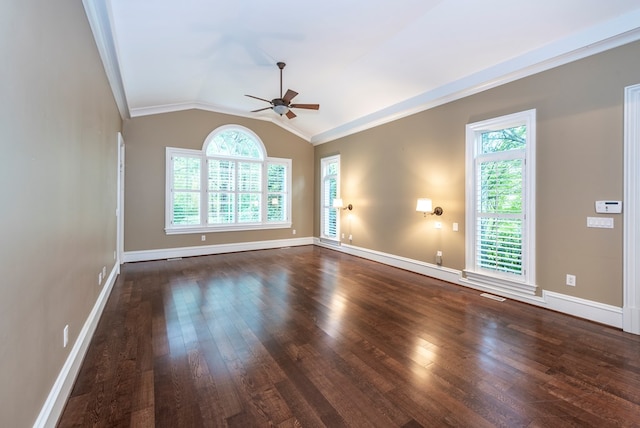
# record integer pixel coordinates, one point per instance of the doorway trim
(120, 204)
(631, 222)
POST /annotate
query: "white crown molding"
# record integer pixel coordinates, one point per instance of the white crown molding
(604, 37)
(170, 108)
(99, 20)
(611, 34)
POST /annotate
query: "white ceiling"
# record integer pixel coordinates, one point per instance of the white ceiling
(364, 62)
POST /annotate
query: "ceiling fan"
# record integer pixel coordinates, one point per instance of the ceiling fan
(283, 104)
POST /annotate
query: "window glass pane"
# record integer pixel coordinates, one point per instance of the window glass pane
(234, 142)
(221, 175)
(330, 223)
(499, 243)
(331, 191)
(248, 208)
(276, 207)
(186, 173)
(332, 168)
(249, 177)
(276, 178)
(500, 186)
(186, 208)
(504, 139)
(221, 208)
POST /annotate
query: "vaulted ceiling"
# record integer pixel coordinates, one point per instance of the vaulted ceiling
(364, 62)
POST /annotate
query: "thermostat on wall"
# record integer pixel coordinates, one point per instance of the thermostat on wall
(609, 207)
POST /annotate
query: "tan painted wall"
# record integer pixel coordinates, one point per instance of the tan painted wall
(58, 165)
(579, 160)
(146, 139)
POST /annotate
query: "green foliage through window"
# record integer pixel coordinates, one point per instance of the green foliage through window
(500, 199)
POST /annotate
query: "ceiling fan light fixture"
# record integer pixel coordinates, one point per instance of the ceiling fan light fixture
(280, 109)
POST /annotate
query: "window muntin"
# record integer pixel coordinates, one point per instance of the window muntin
(227, 186)
(501, 199)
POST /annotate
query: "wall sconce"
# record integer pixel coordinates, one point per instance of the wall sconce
(425, 206)
(337, 204)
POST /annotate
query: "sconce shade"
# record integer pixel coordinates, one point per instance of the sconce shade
(424, 205)
(337, 203)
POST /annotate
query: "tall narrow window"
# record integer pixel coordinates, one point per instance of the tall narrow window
(329, 216)
(500, 202)
(228, 185)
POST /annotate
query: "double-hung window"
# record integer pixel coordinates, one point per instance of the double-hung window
(500, 247)
(330, 190)
(228, 185)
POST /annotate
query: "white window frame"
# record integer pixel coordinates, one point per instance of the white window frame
(525, 284)
(324, 163)
(203, 226)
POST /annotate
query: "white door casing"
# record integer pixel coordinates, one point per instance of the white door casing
(631, 221)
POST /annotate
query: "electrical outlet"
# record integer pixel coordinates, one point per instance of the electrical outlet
(65, 336)
(343, 236)
(350, 237)
(455, 227)
(571, 280)
(203, 238)
(293, 231)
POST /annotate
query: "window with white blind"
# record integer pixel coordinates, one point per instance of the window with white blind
(330, 190)
(229, 185)
(500, 219)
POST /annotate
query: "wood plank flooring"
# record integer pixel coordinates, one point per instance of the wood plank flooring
(310, 337)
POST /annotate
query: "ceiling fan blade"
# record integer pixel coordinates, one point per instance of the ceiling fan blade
(289, 96)
(257, 98)
(291, 114)
(260, 109)
(307, 106)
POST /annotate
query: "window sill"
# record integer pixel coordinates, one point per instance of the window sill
(499, 283)
(330, 241)
(227, 228)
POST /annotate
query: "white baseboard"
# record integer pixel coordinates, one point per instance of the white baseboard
(204, 250)
(424, 268)
(582, 308)
(54, 405)
(588, 309)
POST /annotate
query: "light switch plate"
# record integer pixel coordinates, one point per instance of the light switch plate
(600, 222)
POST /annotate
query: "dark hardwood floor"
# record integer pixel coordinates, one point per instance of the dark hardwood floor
(311, 337)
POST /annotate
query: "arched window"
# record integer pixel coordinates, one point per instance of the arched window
(229, 185)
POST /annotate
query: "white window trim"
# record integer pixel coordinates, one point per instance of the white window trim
(323, 162)
(526, 284)
(203, 227)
